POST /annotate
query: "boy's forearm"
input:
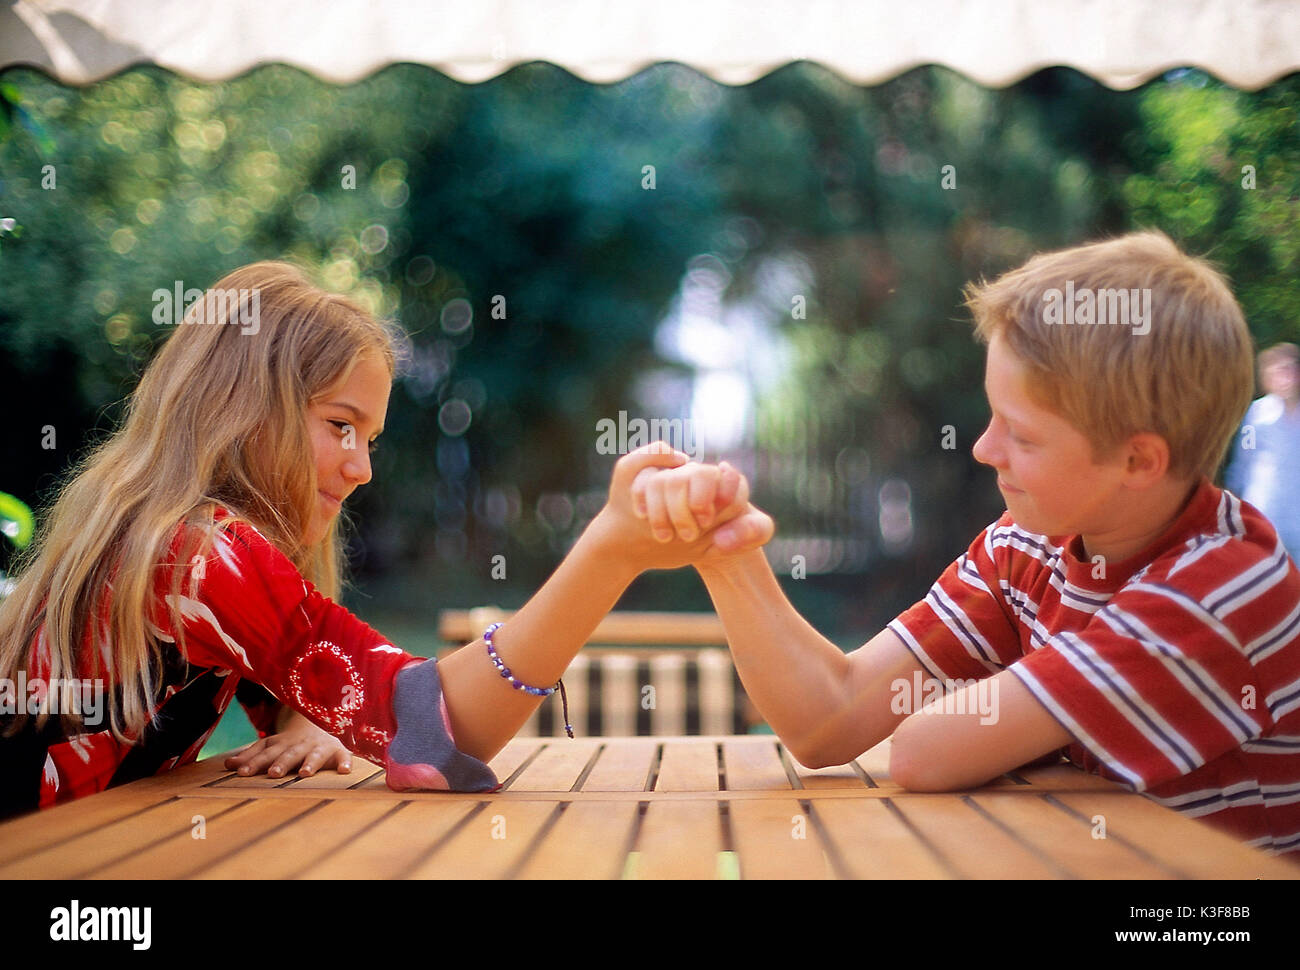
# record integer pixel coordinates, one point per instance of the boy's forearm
(798, 680)
(537, 644)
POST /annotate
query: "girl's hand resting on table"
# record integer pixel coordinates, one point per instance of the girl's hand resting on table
(299, 744)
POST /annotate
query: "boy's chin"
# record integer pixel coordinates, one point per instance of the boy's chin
(1038, 527)
(1025, 520)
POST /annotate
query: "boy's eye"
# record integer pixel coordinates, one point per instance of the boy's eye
(1017, 439)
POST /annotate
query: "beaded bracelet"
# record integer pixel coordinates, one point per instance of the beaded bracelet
(504, 671)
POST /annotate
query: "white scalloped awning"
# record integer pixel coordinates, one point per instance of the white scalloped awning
(996, 42)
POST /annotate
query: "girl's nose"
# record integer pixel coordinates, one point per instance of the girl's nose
(357, 467)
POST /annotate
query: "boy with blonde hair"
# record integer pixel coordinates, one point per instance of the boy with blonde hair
(1123, 608)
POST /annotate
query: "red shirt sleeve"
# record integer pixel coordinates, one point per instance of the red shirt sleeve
(1174, 671)
(245, 607)
(964, 628)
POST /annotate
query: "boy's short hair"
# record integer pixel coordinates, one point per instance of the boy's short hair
(1125, 336)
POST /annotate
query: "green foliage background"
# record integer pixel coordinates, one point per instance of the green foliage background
(531, 186)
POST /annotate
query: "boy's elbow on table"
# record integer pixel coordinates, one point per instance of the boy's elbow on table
(916, 765)
(827, 746)
(813, 757)
(910, 764)
(914, 774)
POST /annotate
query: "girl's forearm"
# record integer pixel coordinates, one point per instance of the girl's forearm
(537, 644)
(283, 716)
(797, 678)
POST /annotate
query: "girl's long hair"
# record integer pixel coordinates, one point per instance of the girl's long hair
(219, 418)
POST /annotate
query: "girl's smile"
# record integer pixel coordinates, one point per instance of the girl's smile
(344, 423)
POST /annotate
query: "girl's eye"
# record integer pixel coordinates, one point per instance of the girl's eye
(344, 427)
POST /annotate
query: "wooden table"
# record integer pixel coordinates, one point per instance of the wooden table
(696, 808)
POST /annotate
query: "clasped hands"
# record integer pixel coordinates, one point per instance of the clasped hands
(675, 512)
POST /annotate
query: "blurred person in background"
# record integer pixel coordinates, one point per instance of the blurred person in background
(1265, 468)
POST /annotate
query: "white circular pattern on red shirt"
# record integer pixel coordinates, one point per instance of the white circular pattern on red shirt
(335, 719)
(375, 735)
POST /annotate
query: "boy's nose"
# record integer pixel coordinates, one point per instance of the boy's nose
(983, 451)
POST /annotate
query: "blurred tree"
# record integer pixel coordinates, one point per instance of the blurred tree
(532, 232)
(1221, 175)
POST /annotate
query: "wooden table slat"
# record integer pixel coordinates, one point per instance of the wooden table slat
(1066, 840)
(1183, 844)
(492, 843)
(269, 835)
(589, 841)
(777, 840)
(836, 776)
(515, 753)
(395, 845)
(872, 843)
(36, 830)
(688, 766)
(253, 783)
(971, 844)
(171, 820)
(558, 766)
(753, 766)
(623, 766)
(296, 848)
(681, 841)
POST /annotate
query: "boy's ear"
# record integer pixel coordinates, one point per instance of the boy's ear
(1147, 459)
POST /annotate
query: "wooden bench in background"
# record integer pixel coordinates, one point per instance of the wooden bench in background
(647, 674)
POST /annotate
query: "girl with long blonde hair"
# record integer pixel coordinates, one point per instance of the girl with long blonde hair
(195, 554)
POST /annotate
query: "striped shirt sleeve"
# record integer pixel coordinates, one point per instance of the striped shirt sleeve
(964, 628)
(1161, 680)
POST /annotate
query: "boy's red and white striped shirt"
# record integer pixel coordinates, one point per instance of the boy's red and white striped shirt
(1177, 671)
